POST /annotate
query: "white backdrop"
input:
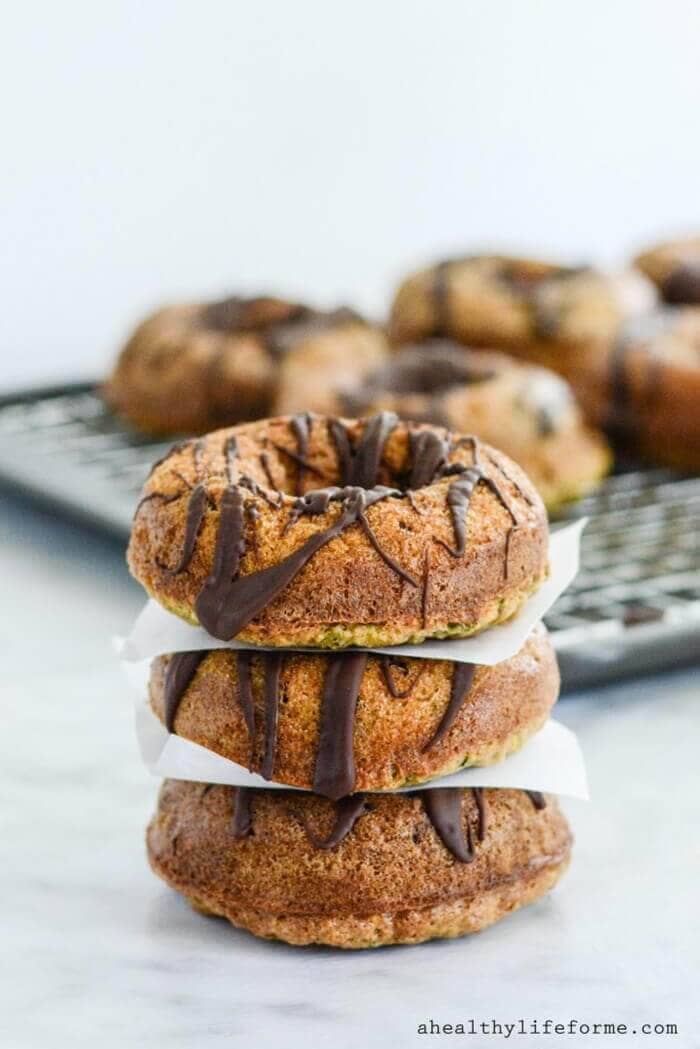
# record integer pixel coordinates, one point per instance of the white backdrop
(161, 149)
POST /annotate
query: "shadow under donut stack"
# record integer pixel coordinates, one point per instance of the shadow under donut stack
(337, 537)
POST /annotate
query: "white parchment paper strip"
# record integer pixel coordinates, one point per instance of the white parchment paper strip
(156, 631)
(551, 761)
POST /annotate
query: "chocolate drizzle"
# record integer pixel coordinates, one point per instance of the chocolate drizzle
(242, 821)
(272, 662)
(212, 599)
(231, 453)
(462, 678)
(181, 669)
(196, 509)
(459, 495)
(429, 454)
(359, 467)
(334, 773)
(347, 812)
(443, 806)
(386, 663)
(537, 798)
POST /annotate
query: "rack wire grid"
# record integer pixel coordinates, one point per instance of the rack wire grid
(634, 607)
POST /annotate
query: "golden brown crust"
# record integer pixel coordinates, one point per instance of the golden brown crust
(347, 593)
(504, 705)
(527, 411)
(391, 880)
(195, 367)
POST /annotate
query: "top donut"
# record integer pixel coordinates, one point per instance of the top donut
(326, 532)
(196, 367)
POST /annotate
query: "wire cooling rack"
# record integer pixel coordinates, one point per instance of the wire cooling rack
(634, 607)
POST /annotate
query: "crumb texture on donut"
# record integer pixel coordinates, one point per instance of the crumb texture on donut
(391, 879)
(309, 530)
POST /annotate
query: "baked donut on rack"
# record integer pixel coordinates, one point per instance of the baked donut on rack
(527, 411)
(531, 308)
(366, 871)
(194, 367)
(645, 390)
(354, 721)
(328, 532)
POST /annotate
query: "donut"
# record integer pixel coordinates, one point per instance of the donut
(521, 305)
(645, 389)
(326, 532)
(336, 724)
(674, 267)
(367, 871)
(527, 411)
(194, 367)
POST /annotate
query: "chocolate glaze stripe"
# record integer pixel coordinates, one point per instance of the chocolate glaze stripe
(177, 447)
(341, 439)
(347, 813)
(211, 601)
(181, 669)
(231, 453)
(360, 466)
(462, 678)
(272, 665)
(386, 663)
(242, 821)
(387, 558)
(478, 795)
(199, 448)
(459, 495)
(265, 464)
(443, 806)
(196, 509)
(429, 453)
(151, 496)
(334, 772)
(301, 428)
(537, 798)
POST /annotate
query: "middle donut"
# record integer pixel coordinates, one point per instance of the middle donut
(355, 721)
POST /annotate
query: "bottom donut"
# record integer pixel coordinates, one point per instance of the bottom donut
(367, 871)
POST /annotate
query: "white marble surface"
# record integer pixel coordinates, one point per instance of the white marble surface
(98, 953)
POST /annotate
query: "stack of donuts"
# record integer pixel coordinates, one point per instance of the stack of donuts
(302, 544)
